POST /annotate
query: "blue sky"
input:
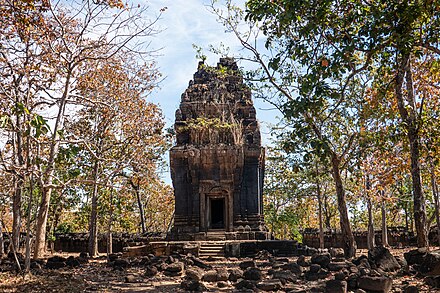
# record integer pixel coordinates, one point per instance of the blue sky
(187, 22)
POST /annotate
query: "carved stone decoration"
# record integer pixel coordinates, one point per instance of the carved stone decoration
(217, 164)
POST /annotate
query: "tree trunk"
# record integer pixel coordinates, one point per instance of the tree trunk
(27, 263)
(16, 213)
(318, 195)
(40, 233)
(419, 198)
(93, 225)
(2, 243)
(109, 227)
(408, 112)
(371, 242)
(347, 234)
(327, 215)
(436, 199)
(370, 234)
(384, 225)
(141, 207)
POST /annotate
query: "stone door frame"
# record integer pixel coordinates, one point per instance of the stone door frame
(209, 191)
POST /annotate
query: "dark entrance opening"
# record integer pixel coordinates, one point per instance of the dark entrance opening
(217, 213)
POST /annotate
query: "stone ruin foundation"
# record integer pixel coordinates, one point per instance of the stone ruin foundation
(217, 164)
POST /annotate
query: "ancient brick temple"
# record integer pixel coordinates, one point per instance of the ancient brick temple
(217, 164)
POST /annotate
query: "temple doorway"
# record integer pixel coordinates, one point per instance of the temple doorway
(216, 213)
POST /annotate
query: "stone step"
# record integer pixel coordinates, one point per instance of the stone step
(212, 249)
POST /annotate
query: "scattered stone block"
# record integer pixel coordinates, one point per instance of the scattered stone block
(337, 266)
(194, 274)
(151, 271)
(210, 276)
(245, 284)
(269, 285)
(302, 261)
(253, 274)
(378, 284)
(247, 264)
(382, 258)
(284, 276)
(336, 286)
(336, 252)
(293, 267)
(235, 274)
(222, 284)
(321, 259)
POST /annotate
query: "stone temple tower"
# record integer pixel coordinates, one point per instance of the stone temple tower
(217, 164)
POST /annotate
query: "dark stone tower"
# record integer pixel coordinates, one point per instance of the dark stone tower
(217, 164)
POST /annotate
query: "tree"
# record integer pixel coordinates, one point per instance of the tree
(119, 130)
(355, 37)
(45, 48)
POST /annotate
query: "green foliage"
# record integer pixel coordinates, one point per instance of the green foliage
(64, 228)
(209, 123)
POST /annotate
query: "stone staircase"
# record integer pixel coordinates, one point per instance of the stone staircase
(213, 249)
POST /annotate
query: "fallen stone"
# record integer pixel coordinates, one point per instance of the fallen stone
(201, 264)
(353, 269)
(247, 264)
(336, 252)
(314, 276)
(222, 284)
(337, 266)
(314, 268)
(151, 271)
(130, 279)
(302, 261)
(194, 274)
(210, 276)
(341, 276)
(269, 285)
(55, 265)
(293, 267)
(382, 258)
(56, 262)
(358, 261)
(235, 274)
(415, 256)
(192, 285)
(433, 281)
(222, 274)
(336, 286)
(121, 263)
(411, 289)
(253, 274)
(379, 284)
(176, 267)
(284, 276)
(294, 289)
(321, 259)
(245, 284)
(352, 281)
(73, 261)
(425, 262)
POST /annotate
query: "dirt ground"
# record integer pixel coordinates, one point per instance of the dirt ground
(98, 276)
